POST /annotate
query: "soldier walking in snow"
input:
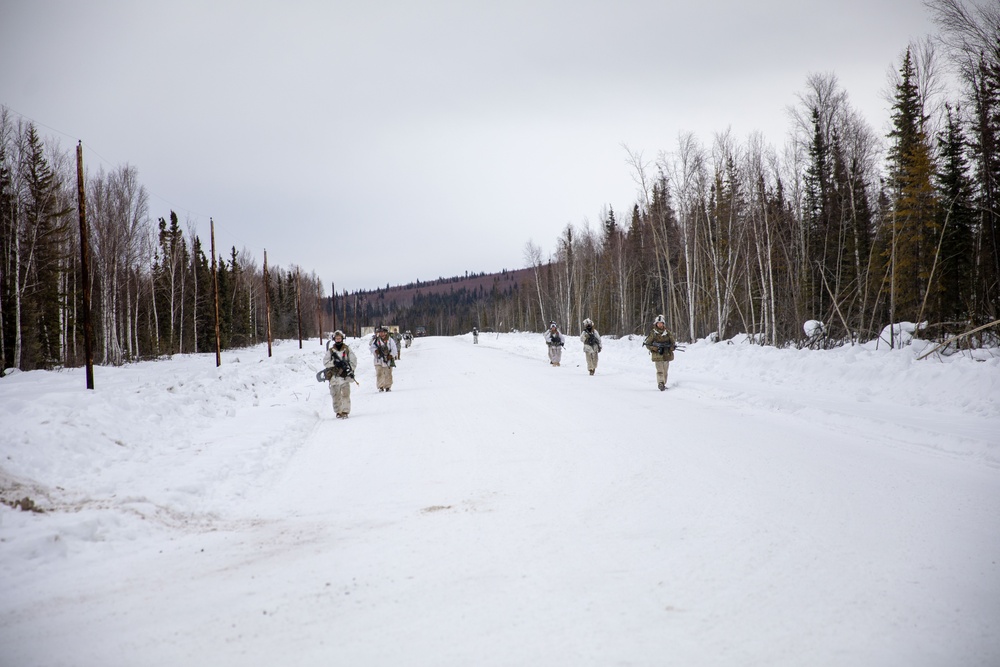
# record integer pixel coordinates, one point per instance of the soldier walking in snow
(591, 344)
(475, 336)
(341, 362)
(384, 349)
(555, 342)
(407, 339)
(660, 344)
(398, 337)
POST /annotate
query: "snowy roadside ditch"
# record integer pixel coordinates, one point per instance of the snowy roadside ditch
(164, 445)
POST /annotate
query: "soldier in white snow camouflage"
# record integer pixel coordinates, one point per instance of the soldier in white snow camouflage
(555, 342)
(591, 344)
(341, 361)
(384, 350)
(660, 343)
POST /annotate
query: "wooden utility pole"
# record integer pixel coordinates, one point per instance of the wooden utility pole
(319, 309)
(267, 304)
(215, 284)
(298, 305)
(88, 325)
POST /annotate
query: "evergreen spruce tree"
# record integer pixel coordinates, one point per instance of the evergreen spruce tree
(239, 316)
(639, 249)
(958, 219)
(47, 231)
(610, 225)
(225, 277)
(202, 304)
(839, 247)
(985, 144)
(912, 236)
(8, 205)
(817, 220)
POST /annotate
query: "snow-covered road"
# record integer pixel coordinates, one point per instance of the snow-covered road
(773, 507)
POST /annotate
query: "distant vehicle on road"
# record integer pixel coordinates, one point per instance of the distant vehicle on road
(420, 331)
(368, 331)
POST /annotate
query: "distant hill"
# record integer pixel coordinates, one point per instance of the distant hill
(402, 296)
(446, 306)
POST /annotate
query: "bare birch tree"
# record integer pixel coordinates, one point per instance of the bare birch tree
(120, 230)
(533, 258)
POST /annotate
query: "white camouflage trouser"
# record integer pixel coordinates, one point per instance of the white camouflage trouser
(591, 358)
(340, 390)
(661, 371)
(383, 376)
(555, 353)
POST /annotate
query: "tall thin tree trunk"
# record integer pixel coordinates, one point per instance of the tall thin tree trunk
(180, 324)
(194, 302)
(128, 314)
(135, 328)
(156, 316)
(18, 287)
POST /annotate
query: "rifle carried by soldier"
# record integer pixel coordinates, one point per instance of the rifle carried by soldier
(341, 368)
(663, 348)
(382, 351)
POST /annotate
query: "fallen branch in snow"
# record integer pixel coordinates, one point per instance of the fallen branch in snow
(836, 306)
(954, 338)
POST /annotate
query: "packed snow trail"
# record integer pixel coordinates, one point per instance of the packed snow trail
(568, 519)
(494, 510)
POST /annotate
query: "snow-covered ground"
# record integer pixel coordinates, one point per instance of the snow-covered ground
(773, 507)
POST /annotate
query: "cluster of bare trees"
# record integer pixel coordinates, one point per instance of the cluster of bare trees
(152, 287)
(720, 241)
(843, 226)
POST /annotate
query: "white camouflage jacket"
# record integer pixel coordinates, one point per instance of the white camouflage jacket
(390, 346)
(587, 346)
(345, 353)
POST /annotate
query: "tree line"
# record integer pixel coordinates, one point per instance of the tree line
(152, 292)
(844, 225)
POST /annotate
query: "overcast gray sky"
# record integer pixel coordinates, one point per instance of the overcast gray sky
(389, 141)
